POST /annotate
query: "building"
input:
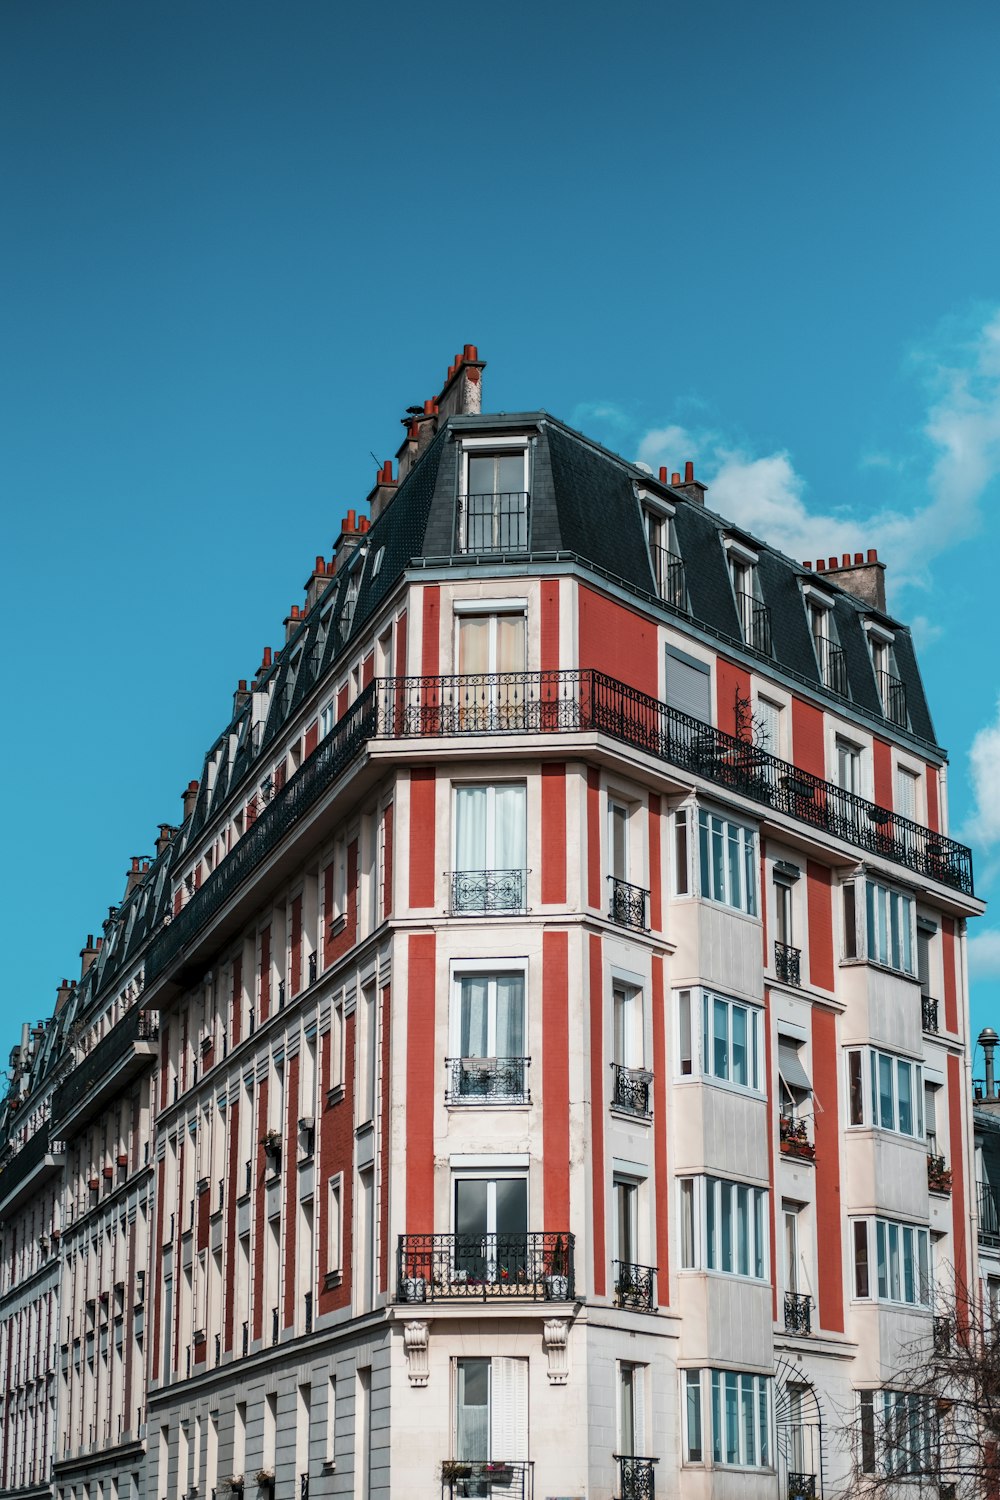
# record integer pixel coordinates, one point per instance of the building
(538, 1062)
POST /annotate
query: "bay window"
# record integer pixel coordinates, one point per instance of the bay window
(723, 1227)
(739, 1405)
(887, 1093)
(898, 1433)
(878, 925)
(892, 1262)
(720, 1039)
(727, 853)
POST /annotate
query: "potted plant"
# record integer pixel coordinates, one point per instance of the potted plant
(234, 1484)
(265, 1478)
(938, 1175)
(453, 1469)
(557, 1279)
(271, 1141)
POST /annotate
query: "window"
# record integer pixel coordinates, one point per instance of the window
(335, 1236)
(891, 689)
(898, 1433)
(625, 1193)
(740, 1414)
(906, 793)
(682, 878)
(493, 511)
(727, 853)
(628, 1026)
(884, 932)
(489, 644)
(491, 1228)
(754, 616)
(724, 1227)
(327, 719)
(829, 656)
(889, 1094)
(491, 1412)
(618, 851)
(488, 1045)
(631, 1409)
(664, 554)
(848, 766)
(795, 1083)
(720, 1038)
(901, 1261)
(688, 685)
(490, 848)
(769, 724)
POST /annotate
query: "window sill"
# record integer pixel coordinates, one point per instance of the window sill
(502, 1104)
(332, 1280)
(631, 1115)
(334, 1095)
(873, 963)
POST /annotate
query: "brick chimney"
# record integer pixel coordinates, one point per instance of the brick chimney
(691, 487)
(384, 489)
(860, 575)
(88, 953)
(166, 833)
(292, 621)
(240, 696)
(352, 534)
(133, 875)
(190, 797)
(462, 392)
(316, 582)
(63, 992)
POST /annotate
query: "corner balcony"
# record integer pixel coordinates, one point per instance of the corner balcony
(536, 1267)
(38, 1159)
(127, 1050)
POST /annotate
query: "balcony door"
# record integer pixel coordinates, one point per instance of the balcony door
(490, 847)
(496, 503)
(488, 1025)
(491, 661)
(625, 1225)
(491, 1419)
(491, 1228)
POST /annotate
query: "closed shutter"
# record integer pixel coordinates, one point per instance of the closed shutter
(639, 1410)
(688, 687)
(509, 1417)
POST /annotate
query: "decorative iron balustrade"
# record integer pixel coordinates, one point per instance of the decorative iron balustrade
(788, 963)
(628, 904)
(798, 1312)
(668, 569)
(28, 1159)
(635, 1286)
(537, 1265)
(475, 892)
(493, 522)
(755, 622)
(560, 702)
(630, 1090)
(929, 1012)
(495, 1080)
(893, 695)
(114, 1049)
(636, 1477)
(801, 1486)
(510, 1478)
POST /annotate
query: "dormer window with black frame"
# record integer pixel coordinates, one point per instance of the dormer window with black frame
(755, 617)
(493, 513)
(664, 552)
(823, 629)
(350, 601)
(891, 690)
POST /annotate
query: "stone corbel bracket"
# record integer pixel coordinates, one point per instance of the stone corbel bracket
(555, 1337)
(416, 1339)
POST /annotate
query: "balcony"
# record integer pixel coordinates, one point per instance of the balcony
(636, 1479)
(801, 1486)
(628, 905)
(929, 1011)
(36, 1161)
(630, 1090)
(128, 1049)
(635, 1286)
(989, 1215)
(832, 666)
(798, 1312)
(536, 1266)
(668, 569)
(487, 1080)
(511, 1478)
(893, 695)
(560, 702)
(787, 964)
(793, 1139)
(478, 892)
(938, 1175)
(755, 622)
(494, 524)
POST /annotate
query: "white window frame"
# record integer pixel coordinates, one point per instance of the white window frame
(886, 1241)
(726, 1200)
(710, 1384)
(701, 1010)
(492, 969)
(711, 825)
(335, 1225)
(873, 1062)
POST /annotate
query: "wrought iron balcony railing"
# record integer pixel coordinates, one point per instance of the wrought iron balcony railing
(36, 1160)
(510, 1478)
(801, 1486)
(107, 1067)
(474, 892)
(635, 1286)
(893, 695)
(629, 904)
(929, 1012)
(636, 1477)
(537, 1265)
(630, 1090)
(788, 963)
(557, 702)
(493, 523)
(832, 666)
(668, 569)
(487, 1080)
(755, 622)
(798, 1312)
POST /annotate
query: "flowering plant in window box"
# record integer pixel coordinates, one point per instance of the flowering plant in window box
(498, 1471)
(271, 1141)
(234, 1483)
(265, 1478)
(455, 1468)
(938, 1175)
(793, 1139)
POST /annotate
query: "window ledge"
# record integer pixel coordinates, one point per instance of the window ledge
(477, 1104)
(872, 963)
(632, 1116)
(334, 1095)
(332, 1279)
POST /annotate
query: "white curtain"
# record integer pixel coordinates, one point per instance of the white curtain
(470, 834)
(474, 643)
(510, 1015)
(509, 852)
(474, 1040)
(473, 1434)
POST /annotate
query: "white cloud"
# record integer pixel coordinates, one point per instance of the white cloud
(984, 774)
(984, 954)
(924, 631)
(767, 495)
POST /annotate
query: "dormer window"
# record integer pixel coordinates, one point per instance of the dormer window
(822, 628)
(664, 552)
(755, 617)
(493, 513)
(891, 690)
(350, 600)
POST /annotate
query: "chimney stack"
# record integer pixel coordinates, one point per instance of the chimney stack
(88, 953)
(240, 696)
(462, 392)
(384, 489)
(988, 1040)
(190, 794)
(292, 622)
(166, 833)
(691, 487)
(352, 532)
(133, 876)
(860, 575)
(63, 992)
(316, 582)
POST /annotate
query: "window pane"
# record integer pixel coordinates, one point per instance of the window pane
(880, 1259)
(885, 1092)
(510, 1015)
(735, 873)
(474, 1036)
(764, 1456)
(720, 1052)
(903, 1095)
(732, 1419)
(743, 1230)
(711, 1223)
(703, 860)
(856, 1091)
(747, 1404)
(758, 1233)
(716, 1416)
(893, 1238)
(750, 873)
(718, 861)
(510, 835)
(472, 1435)
(692, 1382)
(726, 1226)
(687, 1224)
(740, 1060)
(909, 1267)
(684, 1025)
(861, 1286)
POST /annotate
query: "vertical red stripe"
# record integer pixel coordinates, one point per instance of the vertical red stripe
(430, 642)
(933, 813)
(548, 628)
(264, 1006)
(553, 833)
(731, 683)
(948, 955)
(236, 1002)
(420, 1090)
(155, 1259)
(597, 1109)
(808, 751)
(555, 1080)
(261, 1205)
(882, 763)
(655, 864)
(422, 831)
(829, 1222)
(819, 893)
(399, 653)
(312, 738)
(963, 1280)
(594, 837)
(662, 1181)
(368, 669)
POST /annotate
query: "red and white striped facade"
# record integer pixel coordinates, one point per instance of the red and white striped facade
(312, 1109)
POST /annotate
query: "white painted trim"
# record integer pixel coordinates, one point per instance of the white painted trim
(491, 444)
(486, 1161)
(489, 606)
(740, 551)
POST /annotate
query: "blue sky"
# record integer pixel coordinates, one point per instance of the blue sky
(238, 239)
